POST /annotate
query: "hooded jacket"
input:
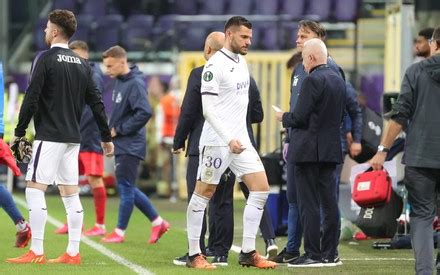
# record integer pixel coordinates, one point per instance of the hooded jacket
(131, 111)
(418, 110)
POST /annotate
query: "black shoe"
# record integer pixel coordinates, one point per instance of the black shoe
(338, 261)
(285, 257)
(305, 261)
(209, 253)
(220, 260)
(271, 248)
(181, 260)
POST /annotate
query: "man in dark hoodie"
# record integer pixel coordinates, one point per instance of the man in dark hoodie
(417, 111)
(131, 111)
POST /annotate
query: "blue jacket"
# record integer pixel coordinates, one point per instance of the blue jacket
(2, 124)
(90, 136)
(316, 121)
(191, 114)
(131, 111)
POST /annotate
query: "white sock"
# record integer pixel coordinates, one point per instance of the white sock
(102, 226)
(157, 221)
(75, 215)
(120, 232)
(37, 218)
(194, 219)
(251, 219)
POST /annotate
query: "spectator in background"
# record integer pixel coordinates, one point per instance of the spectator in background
(166, 117)
(421, 44)
(91, 159)
(131, 111)
(417, 111)
(23, 235)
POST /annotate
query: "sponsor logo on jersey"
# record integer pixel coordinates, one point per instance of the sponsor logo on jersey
(295, 80)
(68, 59)
(207, 76)
(118, 98)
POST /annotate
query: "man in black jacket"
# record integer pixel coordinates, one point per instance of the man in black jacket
(61, 83)
(221, 219)
(315, 124)
(417, 111)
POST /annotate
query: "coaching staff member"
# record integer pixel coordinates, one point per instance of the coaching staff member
(417, 110)
(61, 83)
(315, 124)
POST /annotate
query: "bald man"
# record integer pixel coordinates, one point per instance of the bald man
(316, 151)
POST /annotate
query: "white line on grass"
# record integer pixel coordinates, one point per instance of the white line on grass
(98, 247)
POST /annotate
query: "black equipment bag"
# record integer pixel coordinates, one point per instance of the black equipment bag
(381, 222)
(371, 133)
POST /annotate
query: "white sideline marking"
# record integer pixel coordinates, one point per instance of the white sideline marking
(98, 247)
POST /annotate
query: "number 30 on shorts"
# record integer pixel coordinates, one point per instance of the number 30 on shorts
(213, 162)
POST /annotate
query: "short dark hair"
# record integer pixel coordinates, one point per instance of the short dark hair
(237, 21)
(115, 52)
(313, 26)
(426, 32)
(79, 44)
(294, 60)
(65, 20)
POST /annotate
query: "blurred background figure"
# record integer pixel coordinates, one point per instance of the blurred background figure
(167, 113)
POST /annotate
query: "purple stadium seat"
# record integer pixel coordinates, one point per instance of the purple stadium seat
(346, 10)
(294, 8)
(372, 88)
(137, 32)
(22, 80)
(107, 32)
(187, 7)
(38, 34)
(84, 28)
(212, 7)
(288, 32)
(268, 7)
(242, 7)
(191, 36)
(71, 5)
(164, 33)
(319, 9)
(96, 8)
(265, 35)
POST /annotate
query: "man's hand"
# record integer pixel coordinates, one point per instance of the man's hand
(108, 148)
(355, 149)
(285, 150)
(378, 160)
(279, 116)
(236, 147)
(178, 151)
(113, 132)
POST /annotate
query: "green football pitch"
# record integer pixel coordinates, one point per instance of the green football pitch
(136, 256)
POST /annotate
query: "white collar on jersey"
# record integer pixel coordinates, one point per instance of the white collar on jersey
(60, 45)
(233, 56)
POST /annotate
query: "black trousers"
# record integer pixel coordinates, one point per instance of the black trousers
(316, 184)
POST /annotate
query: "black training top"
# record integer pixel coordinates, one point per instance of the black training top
(61, 84)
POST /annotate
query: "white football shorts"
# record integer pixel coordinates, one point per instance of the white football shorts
(214, 160)
(53, 163)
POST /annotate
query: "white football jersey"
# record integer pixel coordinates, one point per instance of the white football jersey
(226, 77)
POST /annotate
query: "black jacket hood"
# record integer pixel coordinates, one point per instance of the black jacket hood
(432, 67)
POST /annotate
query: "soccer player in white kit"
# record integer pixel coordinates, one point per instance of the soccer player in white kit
(225, 142)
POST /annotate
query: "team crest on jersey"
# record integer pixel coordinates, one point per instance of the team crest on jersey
(207, 76)
(118, 98)
(295, 80)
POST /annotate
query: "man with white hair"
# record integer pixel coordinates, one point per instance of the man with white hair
(316, 122)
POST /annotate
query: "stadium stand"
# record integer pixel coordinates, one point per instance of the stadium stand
(137, 32)
(107, 32)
